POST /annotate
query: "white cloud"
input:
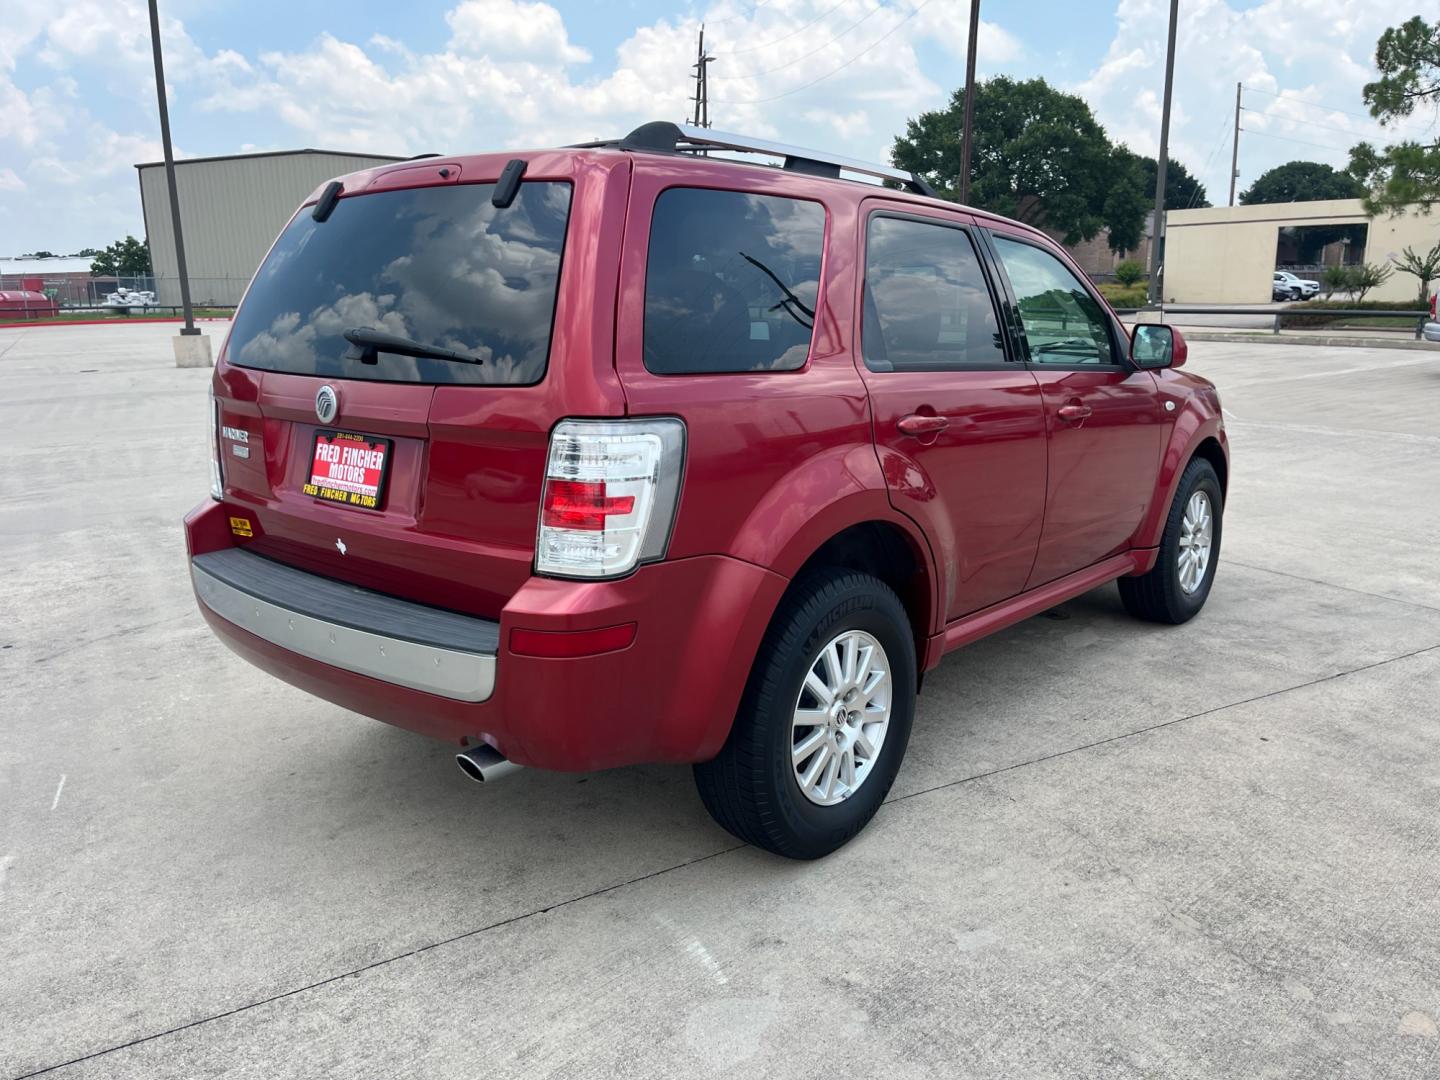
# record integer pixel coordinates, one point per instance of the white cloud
(512, 29)
(1304, 51)
(10, 182)
(845, 75)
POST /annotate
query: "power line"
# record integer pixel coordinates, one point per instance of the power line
(787, 37)
(836, 71)
(756, 6)
(1204, 169)
(1302, 142)
(1315, 123)
(812, 52)
(1307, 101)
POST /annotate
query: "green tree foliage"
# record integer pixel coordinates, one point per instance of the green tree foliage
(1367, 276)
(1301, 181)
(1335, 277)
(86, 253)
(41, 255)
(124, 258)
(1407, 173)
(1182, 191)
(1425, 267)
(1129, 273)
(1040, 156)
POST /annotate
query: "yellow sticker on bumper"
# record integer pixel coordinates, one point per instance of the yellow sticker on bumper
(241, 527)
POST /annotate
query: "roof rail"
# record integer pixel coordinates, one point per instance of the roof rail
(663, 136)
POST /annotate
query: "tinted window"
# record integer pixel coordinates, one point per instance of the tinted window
(1063, 323)
(927, 305)
(731, 282)
(439, 265)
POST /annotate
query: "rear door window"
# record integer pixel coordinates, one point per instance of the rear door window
(731, 282)
(441, 266)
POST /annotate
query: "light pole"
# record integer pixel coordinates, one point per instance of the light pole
(968, 135)
(1157, 229)
(192, 349)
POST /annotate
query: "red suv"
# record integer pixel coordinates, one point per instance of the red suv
(630, 453)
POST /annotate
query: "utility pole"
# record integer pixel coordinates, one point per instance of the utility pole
(1157, 228)
(702, 82)
(190, 329)
(1235, 146)
(968, 135)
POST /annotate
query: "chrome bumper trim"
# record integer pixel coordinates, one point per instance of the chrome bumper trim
(451, 673)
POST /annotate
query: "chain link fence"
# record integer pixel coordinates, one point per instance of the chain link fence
(106, 294)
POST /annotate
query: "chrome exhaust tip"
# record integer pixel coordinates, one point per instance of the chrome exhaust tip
(484, 762)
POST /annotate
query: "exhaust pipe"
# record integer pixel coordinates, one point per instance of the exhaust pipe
(484, 763)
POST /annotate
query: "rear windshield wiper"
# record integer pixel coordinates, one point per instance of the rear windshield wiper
(367, 343)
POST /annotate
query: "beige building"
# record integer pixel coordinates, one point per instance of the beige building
(231, 210)
(1226, 255)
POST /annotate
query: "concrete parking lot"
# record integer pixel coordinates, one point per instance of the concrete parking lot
(1114, 850)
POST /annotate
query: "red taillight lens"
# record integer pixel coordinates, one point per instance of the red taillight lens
(574, 504)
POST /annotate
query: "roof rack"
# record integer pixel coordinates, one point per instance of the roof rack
(662, 136)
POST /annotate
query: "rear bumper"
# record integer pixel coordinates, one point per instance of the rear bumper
(670, 695)
(354, 629)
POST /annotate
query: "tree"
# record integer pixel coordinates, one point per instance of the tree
(1129, 273)
(1367, 276)
(1182, 191)
(85, 253)
(40, 255)
(1039, 155)
(1336, 277)
(124, 258)
(1301, 181)
(1407, 173)
(1425, 267)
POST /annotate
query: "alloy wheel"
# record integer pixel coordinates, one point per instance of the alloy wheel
(1197, 530)
(841, 718)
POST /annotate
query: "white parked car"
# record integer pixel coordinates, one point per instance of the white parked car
(1286, 286)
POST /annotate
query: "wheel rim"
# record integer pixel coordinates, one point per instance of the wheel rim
(1197, 530)
(842, 715)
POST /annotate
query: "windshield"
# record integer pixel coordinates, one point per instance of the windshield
(441, 266)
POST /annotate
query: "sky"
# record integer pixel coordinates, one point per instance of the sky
(78, 110)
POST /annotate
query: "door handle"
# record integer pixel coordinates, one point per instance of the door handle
(1072, 413)
(919, 424)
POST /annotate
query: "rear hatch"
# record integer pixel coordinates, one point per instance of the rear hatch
(426, 480)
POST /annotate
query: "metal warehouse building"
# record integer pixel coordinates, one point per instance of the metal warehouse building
(231, 209)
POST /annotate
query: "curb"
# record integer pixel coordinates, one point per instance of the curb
(1265, 338)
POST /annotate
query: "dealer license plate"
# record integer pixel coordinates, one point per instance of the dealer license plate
(349, 469)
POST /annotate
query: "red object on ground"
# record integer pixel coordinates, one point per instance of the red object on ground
(27, 304)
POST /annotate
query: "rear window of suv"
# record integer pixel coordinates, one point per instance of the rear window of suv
(731, 282)
(441, 266)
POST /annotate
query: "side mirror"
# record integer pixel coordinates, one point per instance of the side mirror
(1153, 345)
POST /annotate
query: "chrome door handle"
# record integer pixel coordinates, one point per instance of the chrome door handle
(1072, 413)
(920, 424)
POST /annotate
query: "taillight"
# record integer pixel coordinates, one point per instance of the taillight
(611, 487)
(217, 478)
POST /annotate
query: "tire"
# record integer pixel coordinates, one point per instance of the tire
(1161, 595)
(1295, 294)
(751, 788)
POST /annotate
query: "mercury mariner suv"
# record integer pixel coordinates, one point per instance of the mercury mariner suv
(653, 451)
